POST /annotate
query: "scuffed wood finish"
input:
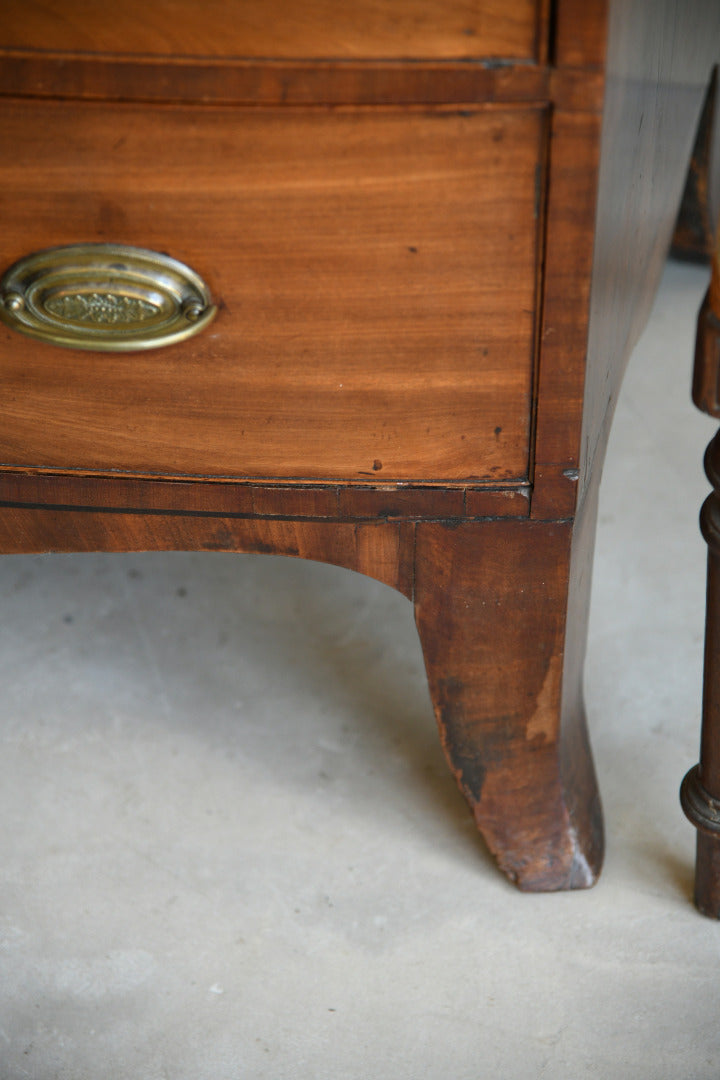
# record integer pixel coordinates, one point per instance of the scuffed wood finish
(381, 550)
(491, 606)
(321, 502)
(308, 29)
(377, 290)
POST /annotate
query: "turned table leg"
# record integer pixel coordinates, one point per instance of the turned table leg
(700, 792)
(501, 610)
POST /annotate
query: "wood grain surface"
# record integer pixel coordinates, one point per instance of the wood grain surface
(570, 230)
(375, 272)
(381, 550)
(275, 28)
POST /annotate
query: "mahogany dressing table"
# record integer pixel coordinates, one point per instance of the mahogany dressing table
(400, 251)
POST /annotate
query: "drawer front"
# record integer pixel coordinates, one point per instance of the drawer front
(278, 29)
(375, 272)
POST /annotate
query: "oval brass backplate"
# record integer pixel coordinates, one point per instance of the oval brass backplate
(108, 297)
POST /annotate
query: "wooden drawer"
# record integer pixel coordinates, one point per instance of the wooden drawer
(309, 30)
(375, 269)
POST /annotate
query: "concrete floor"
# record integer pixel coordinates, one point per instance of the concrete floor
(231, 849)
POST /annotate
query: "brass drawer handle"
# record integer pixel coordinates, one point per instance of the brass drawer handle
(108, 297)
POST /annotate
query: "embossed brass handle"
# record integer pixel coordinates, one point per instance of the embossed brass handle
(108, 297)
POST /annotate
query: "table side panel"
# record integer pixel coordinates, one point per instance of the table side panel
(660, 62)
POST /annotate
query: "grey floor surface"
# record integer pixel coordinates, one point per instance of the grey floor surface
(231, 847)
